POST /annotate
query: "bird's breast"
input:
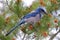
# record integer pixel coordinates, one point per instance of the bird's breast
(33, 19)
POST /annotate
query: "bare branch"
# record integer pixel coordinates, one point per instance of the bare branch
(54, 35)
(23, 37)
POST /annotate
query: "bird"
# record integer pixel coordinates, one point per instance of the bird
(31, 18)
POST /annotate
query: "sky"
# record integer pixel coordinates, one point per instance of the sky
(28, 2)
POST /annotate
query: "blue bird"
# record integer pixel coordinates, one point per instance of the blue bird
(30, 18)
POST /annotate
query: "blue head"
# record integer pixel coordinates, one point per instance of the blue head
(41, 10)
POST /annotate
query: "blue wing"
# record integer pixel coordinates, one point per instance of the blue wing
(33, 14)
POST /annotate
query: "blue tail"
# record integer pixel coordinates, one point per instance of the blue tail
(16, 26)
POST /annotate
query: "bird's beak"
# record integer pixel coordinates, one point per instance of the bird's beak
(46, 13)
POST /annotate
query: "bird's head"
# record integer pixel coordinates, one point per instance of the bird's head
(42, 9)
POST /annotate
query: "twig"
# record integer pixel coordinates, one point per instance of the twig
(56, 11)
(54, 35)
(9, 6)
(23, 37)
(27, 37)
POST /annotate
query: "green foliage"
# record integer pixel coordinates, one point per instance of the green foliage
(2, 22)
(59, 23)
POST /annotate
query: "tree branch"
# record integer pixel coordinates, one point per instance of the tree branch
(23, 37)
(9, 6)
(54, 35)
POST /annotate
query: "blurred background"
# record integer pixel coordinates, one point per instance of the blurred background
(11, 12)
